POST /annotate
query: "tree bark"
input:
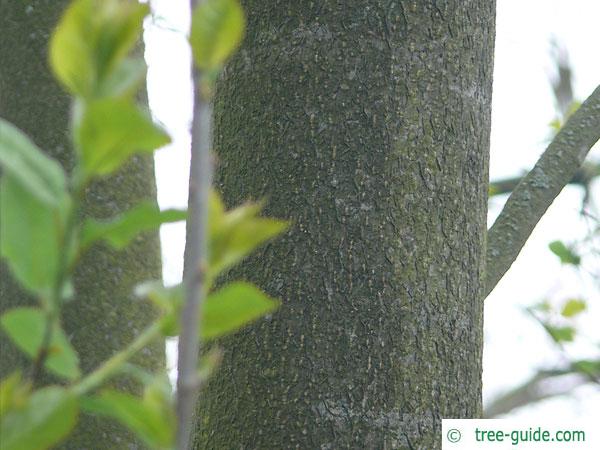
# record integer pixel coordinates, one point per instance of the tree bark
(367, 123)
(104, 316)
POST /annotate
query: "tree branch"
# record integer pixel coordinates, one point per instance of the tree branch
(533, 391)
(195, 259)
(538, 189)
(583, 177)
(544, 385)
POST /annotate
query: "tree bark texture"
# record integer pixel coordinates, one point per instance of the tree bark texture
(367, 124)
(104, 316)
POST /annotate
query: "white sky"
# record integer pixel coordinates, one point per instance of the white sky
(522, 108)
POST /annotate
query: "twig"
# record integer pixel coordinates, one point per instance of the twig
(194, 261)
(538, 189)
(113, 364)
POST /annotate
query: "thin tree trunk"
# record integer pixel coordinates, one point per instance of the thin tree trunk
(104, 315)
(367, 123)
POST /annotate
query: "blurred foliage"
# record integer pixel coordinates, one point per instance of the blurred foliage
(43, 236)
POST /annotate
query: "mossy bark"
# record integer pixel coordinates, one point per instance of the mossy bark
(367, 124)
(104, 316)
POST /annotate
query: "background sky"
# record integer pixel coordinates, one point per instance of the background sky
(522, 107)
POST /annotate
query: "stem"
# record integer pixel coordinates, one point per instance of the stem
(64, 269)
(195, 260)
(538, 189)
(40, 359)
(112, 365)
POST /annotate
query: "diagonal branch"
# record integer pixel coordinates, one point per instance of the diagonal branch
(538, 189)
(588, 172)
(543, 386)
(533, 391)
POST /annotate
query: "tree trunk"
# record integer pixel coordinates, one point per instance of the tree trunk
(104, 316)
(367, 123)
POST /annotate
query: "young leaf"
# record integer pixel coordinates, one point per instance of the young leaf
(209, 363)
(228, 309)
(46, 418)
(29, 236)
(236, 233)
(120, 25)
(71, 49)
(168, 300)
(20, 158)
(13, 393)
(158, 395)
(125, 80)
(566, 255)
(543, 307)
(217, 30)
(26, 327)
(111, 131)
(588, 367)
(573, 307)
(120, 231)
(91, 42)
(141, 417)
(165, 298)
(560, 334)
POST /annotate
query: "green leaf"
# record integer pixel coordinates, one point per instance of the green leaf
(165, 298)
(209, 363)
(29, 236)
(121, 231)
(158, 395)
(556, 124)
(236, 233)
(46, 419)
(169, 301)
(26, 327)
(566, 255)
(493, 190)
(573, 307)
(154, 425)
(588, 367)
(91, 43)
(13, 393)
(72, 48)
(544, 307)
(217, 30)
(125, 80)
(560, 334)
(573, 107)
(20, 158)
(111, 131)
(232, 307)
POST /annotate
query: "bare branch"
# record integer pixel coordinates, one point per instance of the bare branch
(536, 192)
(195, 260)
(542, 386)
(588, 172)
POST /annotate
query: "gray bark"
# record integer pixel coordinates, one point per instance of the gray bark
(104, 315)
(367, 123)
